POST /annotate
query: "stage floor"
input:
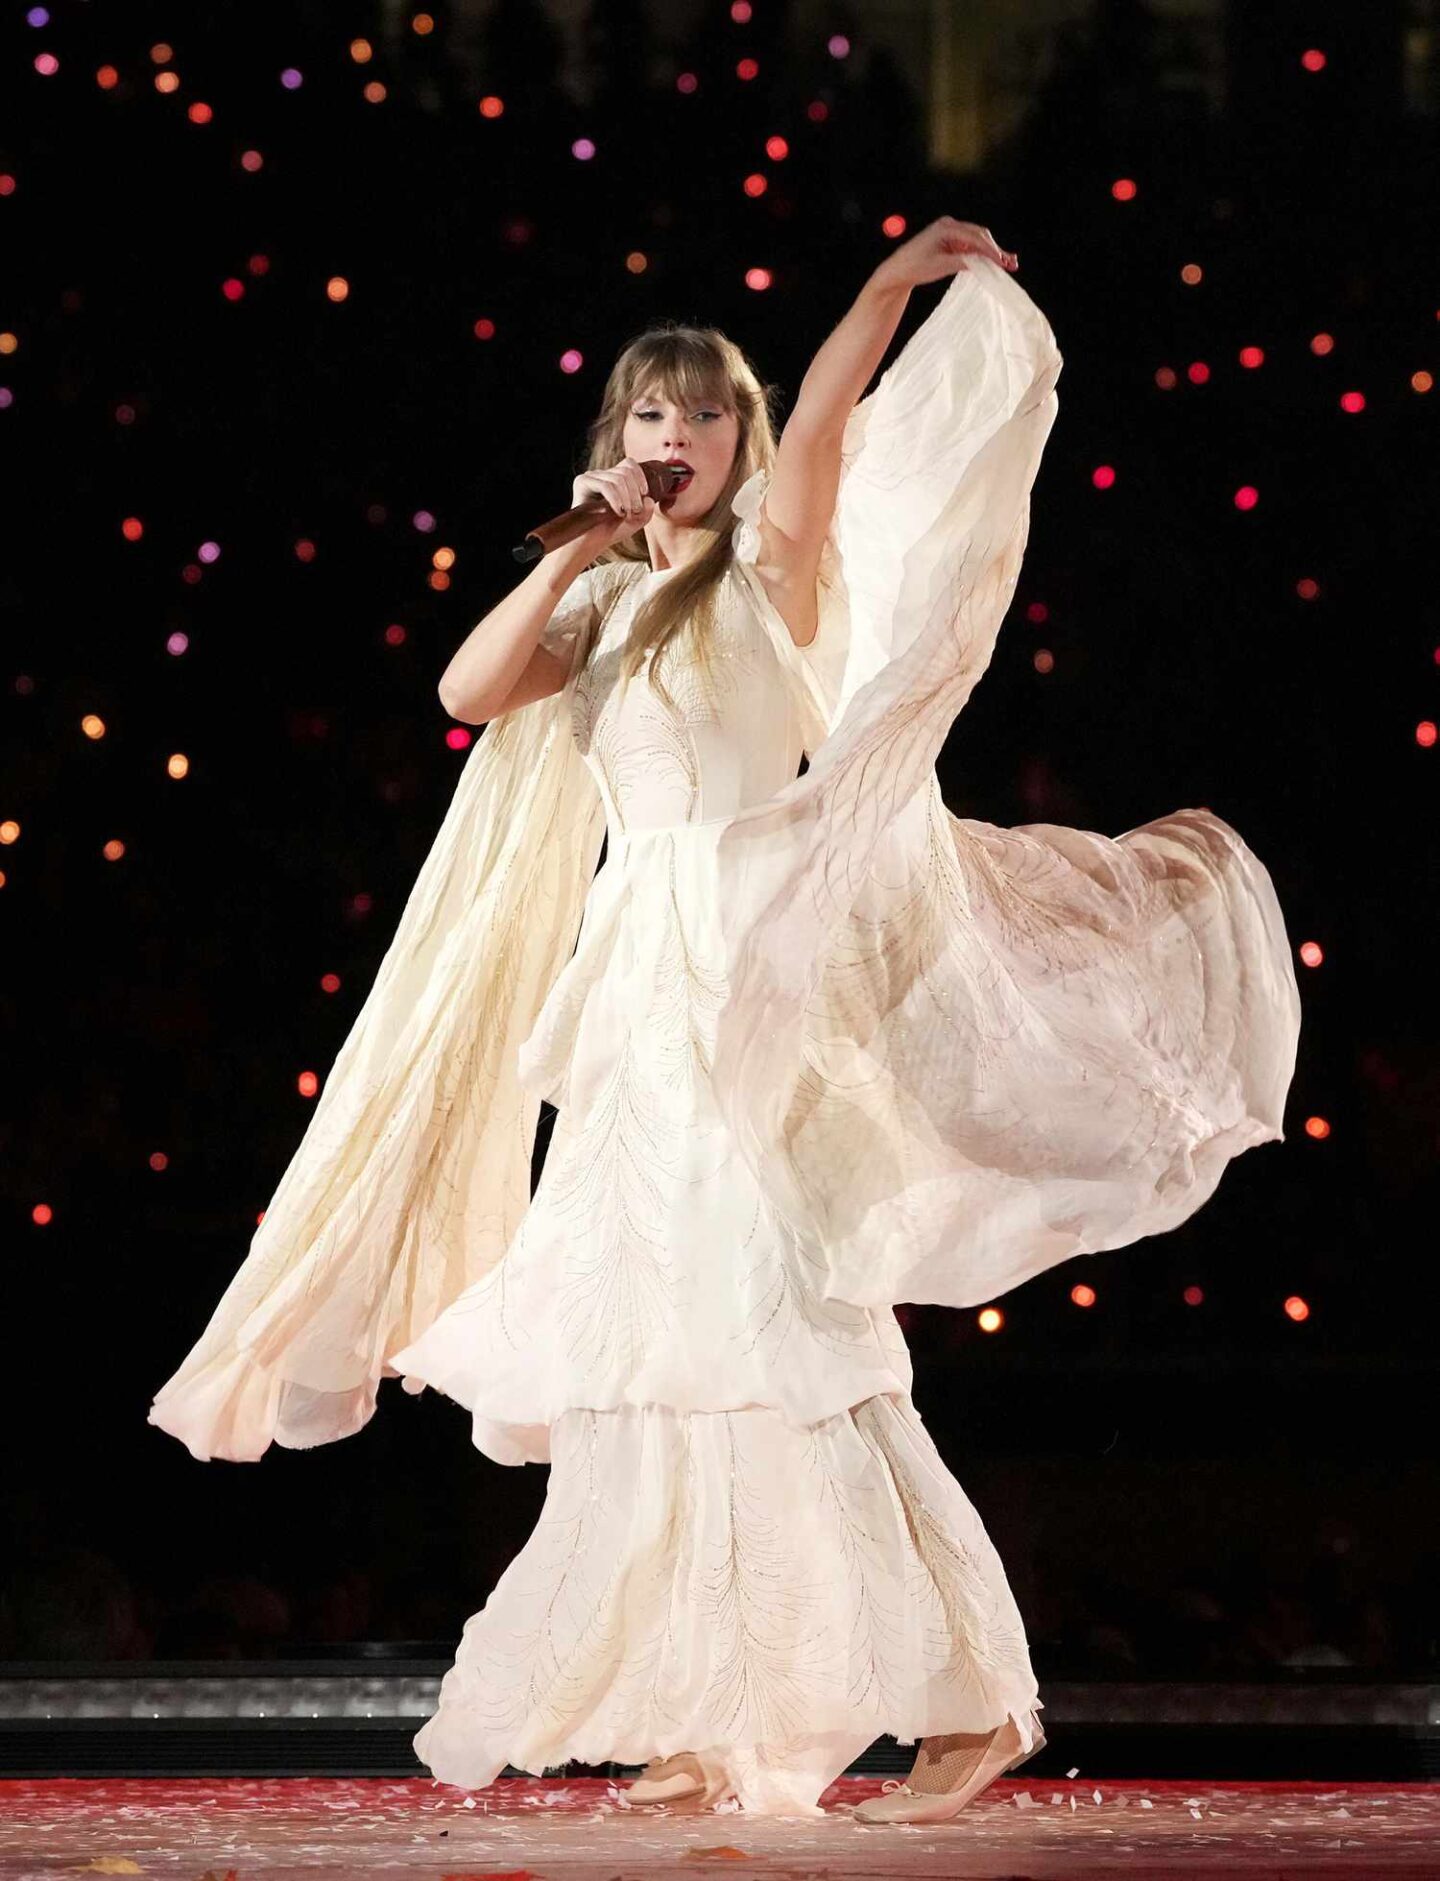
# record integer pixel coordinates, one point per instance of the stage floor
(231, 1828)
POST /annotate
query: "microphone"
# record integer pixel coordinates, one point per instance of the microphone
(660, 480)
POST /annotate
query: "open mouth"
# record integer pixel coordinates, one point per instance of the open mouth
(684, 476)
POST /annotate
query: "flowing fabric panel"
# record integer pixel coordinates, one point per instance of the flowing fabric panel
(953, 1054)
(414, 1172)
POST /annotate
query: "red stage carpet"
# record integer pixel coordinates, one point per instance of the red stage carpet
(227, 1829)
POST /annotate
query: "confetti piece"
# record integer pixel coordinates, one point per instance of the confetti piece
(1098, 1797)
(1145, 1803)
(1073, 1773)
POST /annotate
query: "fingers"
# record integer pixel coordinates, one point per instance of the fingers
(625, 487)
(983, 242)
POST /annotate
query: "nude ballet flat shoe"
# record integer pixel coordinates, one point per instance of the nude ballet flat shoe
(960, 1772)
(684, 1781)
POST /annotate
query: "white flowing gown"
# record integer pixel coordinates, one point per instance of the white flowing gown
(821, 1047)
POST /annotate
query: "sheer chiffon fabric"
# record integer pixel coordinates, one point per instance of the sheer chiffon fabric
(955, 1055)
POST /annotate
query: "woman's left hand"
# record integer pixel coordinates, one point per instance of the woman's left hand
(940, 250)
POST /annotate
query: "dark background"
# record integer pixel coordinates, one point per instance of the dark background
(1212, 1488)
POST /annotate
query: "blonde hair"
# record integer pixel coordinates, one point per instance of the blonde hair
(689, 365)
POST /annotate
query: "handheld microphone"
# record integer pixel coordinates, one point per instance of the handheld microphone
(660, 480)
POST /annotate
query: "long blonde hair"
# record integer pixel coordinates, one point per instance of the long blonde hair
(689, 365)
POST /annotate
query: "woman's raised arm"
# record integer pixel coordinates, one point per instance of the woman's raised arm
(800, 497)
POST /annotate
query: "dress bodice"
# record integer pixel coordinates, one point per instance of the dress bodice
(732, 739)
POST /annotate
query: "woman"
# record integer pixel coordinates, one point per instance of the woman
(822, 1047)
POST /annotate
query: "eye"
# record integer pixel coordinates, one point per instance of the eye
(655, 414)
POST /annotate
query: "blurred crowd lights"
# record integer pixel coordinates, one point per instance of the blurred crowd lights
(992, 1318)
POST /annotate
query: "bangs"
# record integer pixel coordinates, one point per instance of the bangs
(682, 372)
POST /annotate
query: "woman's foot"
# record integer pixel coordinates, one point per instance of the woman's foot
(949, 1772)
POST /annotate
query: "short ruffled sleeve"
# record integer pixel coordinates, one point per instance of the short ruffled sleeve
(819, 667)
(567, 627)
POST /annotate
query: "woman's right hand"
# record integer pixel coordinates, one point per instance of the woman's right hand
(624, 492)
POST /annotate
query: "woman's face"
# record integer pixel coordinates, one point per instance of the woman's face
(704, 436)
